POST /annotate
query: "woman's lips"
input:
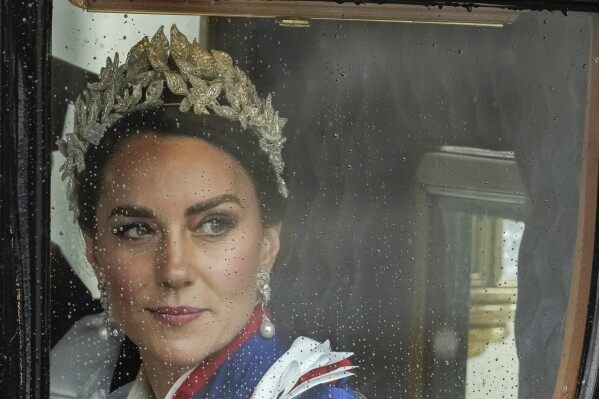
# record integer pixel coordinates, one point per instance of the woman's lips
(176, 315)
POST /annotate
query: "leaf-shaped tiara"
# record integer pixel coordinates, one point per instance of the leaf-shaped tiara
(201, 78)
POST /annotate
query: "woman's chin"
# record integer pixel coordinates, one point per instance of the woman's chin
(181, 344)
(177, 352)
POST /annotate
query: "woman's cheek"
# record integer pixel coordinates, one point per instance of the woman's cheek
(127, 276)
(237, 275)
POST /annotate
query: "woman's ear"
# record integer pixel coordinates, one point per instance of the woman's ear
(271, 244)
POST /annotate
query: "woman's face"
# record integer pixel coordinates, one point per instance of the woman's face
(179, 242)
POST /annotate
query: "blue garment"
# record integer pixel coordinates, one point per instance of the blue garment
(239, 375)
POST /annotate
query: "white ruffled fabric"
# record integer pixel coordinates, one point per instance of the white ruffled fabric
(305, 355)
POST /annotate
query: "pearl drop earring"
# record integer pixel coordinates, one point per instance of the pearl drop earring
(267, 328)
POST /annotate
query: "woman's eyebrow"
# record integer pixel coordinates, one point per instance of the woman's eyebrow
(132, 211)
(211, 203)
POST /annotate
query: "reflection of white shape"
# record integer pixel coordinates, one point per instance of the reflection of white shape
(304, 355)
(446, 344)
(494, 373)
(512, 237)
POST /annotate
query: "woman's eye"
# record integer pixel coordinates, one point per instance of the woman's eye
(216, 226)
(132, 231)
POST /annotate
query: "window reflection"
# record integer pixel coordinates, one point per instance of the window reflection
(434, 174)
(491, 338)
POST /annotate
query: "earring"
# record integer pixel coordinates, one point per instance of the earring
(267, 328)
(107, 329)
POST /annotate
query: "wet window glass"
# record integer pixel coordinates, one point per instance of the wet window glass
(249, 208)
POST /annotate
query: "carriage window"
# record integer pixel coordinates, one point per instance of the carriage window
(363, 208)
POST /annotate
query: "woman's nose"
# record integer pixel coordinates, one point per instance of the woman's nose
(175, 270)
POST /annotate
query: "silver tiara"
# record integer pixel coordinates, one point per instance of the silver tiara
(201, 77)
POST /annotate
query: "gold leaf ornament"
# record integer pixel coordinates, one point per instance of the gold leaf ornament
(180, 46)
(80, 113)
(176, 83)
(222, 59)
(198, 82)
(138, 55)
(214, 91)
(94, 103)
(159, 45)
(158, 51)
(225, 111)
(144, 78)
(108, 102)
(208, 83)
(188, 70)
(185, 105)
(200, 96)
(154, 90)
(202, 60)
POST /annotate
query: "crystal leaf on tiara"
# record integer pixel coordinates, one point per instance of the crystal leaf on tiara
(209, 83)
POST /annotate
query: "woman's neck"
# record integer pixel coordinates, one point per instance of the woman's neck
(162, 376)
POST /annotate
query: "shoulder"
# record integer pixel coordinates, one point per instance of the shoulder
(241, 371)
(256, 356)
(82, 362)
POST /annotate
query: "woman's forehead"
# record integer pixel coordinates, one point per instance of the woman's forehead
(154, 168)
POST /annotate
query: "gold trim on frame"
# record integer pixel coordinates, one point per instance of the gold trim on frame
(306, 9)
(79, 3)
